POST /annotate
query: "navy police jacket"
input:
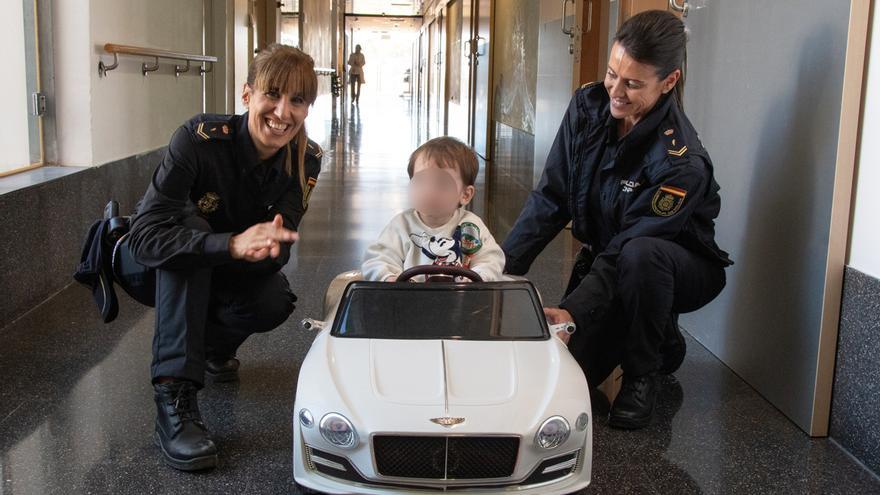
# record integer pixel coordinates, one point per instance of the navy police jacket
(211, 169)
(657, 181)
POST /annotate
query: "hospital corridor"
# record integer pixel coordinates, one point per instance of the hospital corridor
(662, 274)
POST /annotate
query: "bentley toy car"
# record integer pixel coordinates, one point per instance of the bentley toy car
(440, 386)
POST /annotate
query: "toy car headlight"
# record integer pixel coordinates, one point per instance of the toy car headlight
(552, 433)
(336, 429)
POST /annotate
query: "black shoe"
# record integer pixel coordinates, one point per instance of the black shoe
(673, 349)
(634, 405)
(180, 433)
(222, 369)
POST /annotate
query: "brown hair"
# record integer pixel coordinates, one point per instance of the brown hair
(448, 152)
(291, 71)
(657, 38)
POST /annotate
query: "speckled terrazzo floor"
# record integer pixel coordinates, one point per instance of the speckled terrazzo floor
(76, 407)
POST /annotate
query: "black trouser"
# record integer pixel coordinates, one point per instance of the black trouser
(209, 312)
(656, 280)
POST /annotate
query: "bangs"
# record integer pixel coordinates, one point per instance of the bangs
(287, 70)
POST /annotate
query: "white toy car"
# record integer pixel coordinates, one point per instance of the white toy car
(420, 388)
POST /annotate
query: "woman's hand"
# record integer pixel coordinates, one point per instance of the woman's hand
(261, 240)
(556, 316)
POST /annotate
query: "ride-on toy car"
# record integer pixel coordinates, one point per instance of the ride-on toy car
(440, 386)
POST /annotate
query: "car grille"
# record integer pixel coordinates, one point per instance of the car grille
(437, 457)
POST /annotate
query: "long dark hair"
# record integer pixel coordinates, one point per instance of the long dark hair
(657, 38)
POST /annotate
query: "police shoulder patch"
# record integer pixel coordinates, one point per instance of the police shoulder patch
(307, 192)
(667, 200)
(208, 130)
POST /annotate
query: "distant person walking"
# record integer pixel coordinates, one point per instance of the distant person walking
(356, 62)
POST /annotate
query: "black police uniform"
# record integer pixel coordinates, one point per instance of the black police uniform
(210, 186)
(644, 207)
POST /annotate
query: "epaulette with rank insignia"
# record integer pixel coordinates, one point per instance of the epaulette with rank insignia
(675, 147)
(211, 129)
(591, 84)
(313, 149)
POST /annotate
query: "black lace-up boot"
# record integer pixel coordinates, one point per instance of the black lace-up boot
(634, 405)
(220, 369)
(180, 432)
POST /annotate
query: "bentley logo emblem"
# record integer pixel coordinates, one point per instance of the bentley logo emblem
(447, 421)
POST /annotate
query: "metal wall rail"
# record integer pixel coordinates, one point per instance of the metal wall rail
(206, 61)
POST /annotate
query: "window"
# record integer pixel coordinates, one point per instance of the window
(478, 311)
(21, 138)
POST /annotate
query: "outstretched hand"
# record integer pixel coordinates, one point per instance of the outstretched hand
(261, 240)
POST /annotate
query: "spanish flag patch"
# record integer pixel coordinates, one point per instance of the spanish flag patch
(310, 186)
(667, 200)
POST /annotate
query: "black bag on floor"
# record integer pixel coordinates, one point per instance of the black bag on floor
(106, 260)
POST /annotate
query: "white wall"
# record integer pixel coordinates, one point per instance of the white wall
(132, 113)
(102, 119)
(14, 143)
(73, 63)
(864, 252)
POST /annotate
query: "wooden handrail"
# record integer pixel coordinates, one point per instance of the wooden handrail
(155, 53)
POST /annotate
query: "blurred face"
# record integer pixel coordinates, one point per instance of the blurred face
(273, 118)
(634, 87)
(437, 192)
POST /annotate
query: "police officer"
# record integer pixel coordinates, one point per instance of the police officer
(215, 227)
(628, 171)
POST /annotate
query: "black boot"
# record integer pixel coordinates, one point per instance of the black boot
(180, 432)
(634, 405)
(673, 348)
(222, 369)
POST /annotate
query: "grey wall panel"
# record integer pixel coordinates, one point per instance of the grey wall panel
(49, 222)
(764, 90)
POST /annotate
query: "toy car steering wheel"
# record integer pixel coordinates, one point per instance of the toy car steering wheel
(452, 271)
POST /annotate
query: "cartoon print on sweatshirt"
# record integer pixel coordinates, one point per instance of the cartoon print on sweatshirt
(455, 251)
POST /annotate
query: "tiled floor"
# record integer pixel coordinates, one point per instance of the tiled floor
(76, 407)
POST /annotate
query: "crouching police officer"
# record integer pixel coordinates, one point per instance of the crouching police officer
(628, 171)
(214, 228)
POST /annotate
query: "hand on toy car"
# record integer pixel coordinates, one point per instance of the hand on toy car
(559, 316)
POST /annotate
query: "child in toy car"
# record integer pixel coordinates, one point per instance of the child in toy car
(437, 230)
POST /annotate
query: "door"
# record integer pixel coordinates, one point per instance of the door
(480, 133)
(436, 100)
(422, 83)
(458, 69)
(629, 8)
(556, 76)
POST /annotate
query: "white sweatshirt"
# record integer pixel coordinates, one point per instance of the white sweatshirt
(407, 242)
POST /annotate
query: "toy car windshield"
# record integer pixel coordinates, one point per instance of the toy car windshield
(478, 311)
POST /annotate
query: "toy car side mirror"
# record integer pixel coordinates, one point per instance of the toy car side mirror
(310, 324)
